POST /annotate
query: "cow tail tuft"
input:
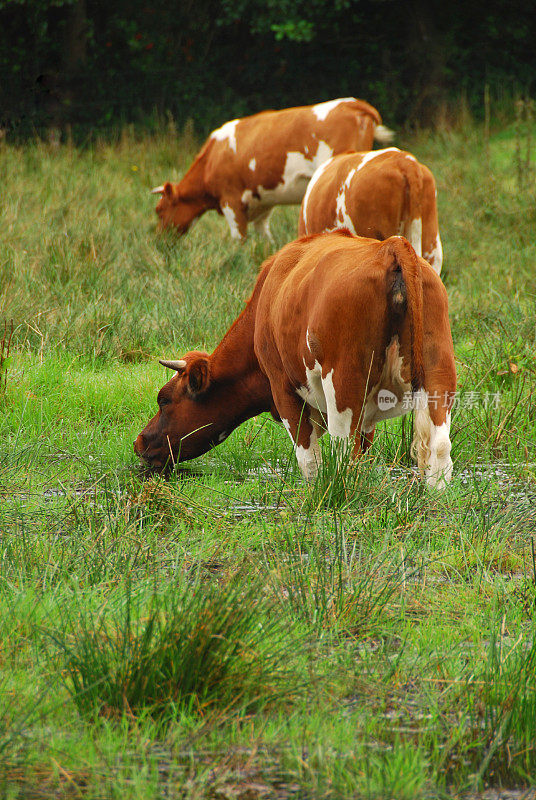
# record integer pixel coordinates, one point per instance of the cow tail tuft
(383, 134)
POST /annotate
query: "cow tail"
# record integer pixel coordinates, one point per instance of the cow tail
(411, 223)
(405, 299)
(383, 134)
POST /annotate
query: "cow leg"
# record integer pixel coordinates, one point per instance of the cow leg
(345, 407)
(432, 250)
(262, 225)
(303, 431)
(366, 440)
(236, 218)
(431, 441)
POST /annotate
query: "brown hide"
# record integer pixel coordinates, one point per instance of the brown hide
(377, 194)
(332, 301)
(242, 164)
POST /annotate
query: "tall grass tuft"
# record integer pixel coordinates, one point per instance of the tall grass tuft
(342, 480)
(203, 646)
(332, 584)
(502, 708)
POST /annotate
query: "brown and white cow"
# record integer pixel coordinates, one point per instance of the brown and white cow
(339, 333)
(249, 165)
(379, 194)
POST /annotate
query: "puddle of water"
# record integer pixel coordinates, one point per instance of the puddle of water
(519, 492)
(269, 470)
(514, 490)
(55, 494)
(244, 510)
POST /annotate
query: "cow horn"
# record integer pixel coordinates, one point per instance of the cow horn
(158, 190)
(177, 365)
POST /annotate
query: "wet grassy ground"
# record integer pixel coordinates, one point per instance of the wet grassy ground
(231, 632)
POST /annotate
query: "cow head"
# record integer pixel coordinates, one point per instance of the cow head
(176, 210)
(192, 415)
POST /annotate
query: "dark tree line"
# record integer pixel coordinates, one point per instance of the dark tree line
(94, 63)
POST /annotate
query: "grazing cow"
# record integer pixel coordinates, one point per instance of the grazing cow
(380, 194)
(339, 333)
(251, 164)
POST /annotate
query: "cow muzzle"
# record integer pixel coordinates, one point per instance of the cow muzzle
(139, 446)
(152, 459)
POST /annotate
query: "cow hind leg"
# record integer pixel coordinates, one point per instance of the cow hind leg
(303, 431)
(433, 253)
(262, 225)
(432, 250)
(431, 444)
(345, 412)
(366, 439)
(235, 217)
(414, 234)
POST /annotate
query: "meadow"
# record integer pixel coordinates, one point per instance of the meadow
(231, 632)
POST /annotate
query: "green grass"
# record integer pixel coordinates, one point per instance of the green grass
(231, 632)
(199, 646)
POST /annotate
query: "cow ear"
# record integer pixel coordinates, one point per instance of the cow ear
(198, 375)
(168, 190)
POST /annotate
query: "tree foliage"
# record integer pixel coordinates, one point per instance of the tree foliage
(90, 63)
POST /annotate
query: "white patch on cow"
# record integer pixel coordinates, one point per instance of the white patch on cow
(339, 422)
(431, 444)
(321, 110)
(411, 158)
(230, 216)
(342, 218)
(307, 341)
(323, 152)
(374, 154)
(252, 164)
(415, 235)
(248, 201)
(391, 387)
(313, 392)
(290, 190)
(227, 131)
(223, 435)
(312, 182)
(297, 174)
(435, 257)
(319, 393)
(308, 458)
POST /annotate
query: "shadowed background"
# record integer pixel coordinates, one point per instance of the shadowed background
(91, 64)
